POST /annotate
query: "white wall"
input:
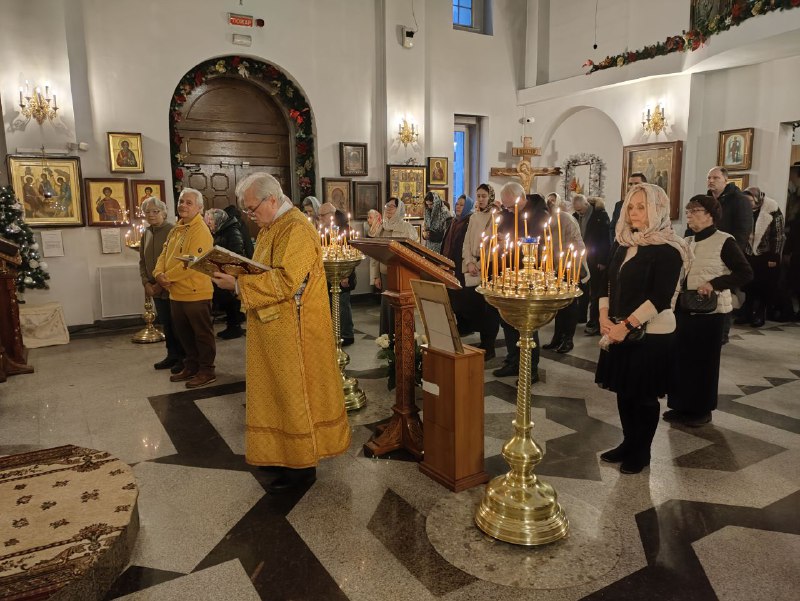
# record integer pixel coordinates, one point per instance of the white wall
(344, 54)
(621, 25)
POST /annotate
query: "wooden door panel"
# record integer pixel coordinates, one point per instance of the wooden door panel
(274, 151)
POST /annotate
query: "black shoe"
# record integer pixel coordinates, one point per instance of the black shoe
(534, 376)
(508, 369)
(177, 368)
(565, 347)
(695, 420)
(347, 341)
(758, 322)
(165, 363)
(290, 479)
(633, 466)
(673, 415)
(591, 329)
(614, 455)
(489, 354)
(553, 344)
(230, 333)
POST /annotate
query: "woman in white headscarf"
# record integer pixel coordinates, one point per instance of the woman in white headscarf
(641, 285)
(392, 226)
(311, 207)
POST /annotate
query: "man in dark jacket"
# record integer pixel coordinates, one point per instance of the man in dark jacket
(737, 218)
(594, 223)
(227, 235)
(233, 211)
(633, 179)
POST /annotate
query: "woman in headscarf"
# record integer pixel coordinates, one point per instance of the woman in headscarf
(763, 252)
(479, 312)
(227, 234)
(640, 286)
(719, 265)
(393, 226)
(453, 248)
(311, 209)
(437, 221)
(373, 225)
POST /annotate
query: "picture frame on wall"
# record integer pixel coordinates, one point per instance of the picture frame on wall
(107, 201)
(353, 159)
(438, 169)
(407, 182)
(661, 163)
(49, 189)
(366, 196)
(336, 191)
(141, 189)
(742, 180)
(444, 194)
(125, 153)
(735, 149)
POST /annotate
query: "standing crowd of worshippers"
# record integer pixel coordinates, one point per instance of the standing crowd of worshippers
(635, 271)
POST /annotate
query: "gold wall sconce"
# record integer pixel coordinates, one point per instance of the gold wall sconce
(407, 134)
(38, 105)
(654, 121)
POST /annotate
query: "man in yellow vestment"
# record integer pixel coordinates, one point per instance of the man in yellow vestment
(295, 404)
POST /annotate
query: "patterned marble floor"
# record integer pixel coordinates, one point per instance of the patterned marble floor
(715, 516)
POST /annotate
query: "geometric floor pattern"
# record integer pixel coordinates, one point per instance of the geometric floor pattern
(714, 517)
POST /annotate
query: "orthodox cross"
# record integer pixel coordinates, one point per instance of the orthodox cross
(524, 170)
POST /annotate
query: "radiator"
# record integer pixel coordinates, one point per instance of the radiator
(121, 292)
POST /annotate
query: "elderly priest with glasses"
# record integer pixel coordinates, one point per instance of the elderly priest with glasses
(295, 405)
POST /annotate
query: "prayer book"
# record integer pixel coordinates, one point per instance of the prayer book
(222, 260)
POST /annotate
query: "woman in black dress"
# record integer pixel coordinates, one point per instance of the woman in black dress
(452, 248)
(718, 265)
(641, 283)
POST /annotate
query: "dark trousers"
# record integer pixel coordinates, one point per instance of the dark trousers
(193, 325)
(639, 418)
(346, 328)
(512, 350)
(588, 301)
(566, 323)
(174, 348)
(226, 301)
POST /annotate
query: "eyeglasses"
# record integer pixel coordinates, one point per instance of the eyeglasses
(252, 212)
(696, 210)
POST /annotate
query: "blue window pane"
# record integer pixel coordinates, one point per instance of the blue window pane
(465, 3)
(455, 13)
(459, 184)
(465, 17)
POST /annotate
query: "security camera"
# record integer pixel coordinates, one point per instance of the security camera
(527, 120)
(408, 37)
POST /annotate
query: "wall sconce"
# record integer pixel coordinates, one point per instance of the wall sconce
(37, 105)
(654, 122)
(408, 134)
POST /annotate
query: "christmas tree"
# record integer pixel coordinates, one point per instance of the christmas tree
(33, 272)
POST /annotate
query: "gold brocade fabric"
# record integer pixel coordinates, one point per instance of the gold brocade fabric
(295, 403)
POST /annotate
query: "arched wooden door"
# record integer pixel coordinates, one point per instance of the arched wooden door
(229, 129)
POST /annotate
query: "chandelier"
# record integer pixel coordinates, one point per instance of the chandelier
(37, 105)
(654, 122)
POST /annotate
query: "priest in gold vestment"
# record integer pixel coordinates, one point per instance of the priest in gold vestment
(295, 404)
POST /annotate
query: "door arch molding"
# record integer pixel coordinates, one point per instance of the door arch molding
(274, 81)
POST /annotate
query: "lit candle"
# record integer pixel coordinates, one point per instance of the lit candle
(560, 265)
(482, 264)
(494, 263)
(525, 218)
(574, 262)
(569, 271)
(578, 270)
(516, 230)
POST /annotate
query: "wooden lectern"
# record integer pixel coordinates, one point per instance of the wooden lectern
(453, 389)
(12, 352)
(406, 260)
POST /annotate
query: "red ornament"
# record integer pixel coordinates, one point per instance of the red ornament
(236, 60)
(179, 173)
(198, 78)
(302, 148)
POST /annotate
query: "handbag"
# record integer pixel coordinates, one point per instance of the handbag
(692, 301)
(634, 336)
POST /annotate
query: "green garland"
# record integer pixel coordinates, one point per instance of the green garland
(688, 41)
(278, 85)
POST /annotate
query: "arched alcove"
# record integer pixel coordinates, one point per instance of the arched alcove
(255, 77)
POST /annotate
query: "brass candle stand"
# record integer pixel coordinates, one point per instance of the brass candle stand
(149, 333)
(518, 507)
(339, 263)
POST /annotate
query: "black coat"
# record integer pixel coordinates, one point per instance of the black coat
(597, 238)
(228, 236)
(233, 211)
(737, 214)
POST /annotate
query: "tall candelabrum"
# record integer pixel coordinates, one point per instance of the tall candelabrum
(528, 288)
(150, 333)
(339, 260)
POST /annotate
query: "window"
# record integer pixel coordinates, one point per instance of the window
(462, 13)
(466, 155)
(472, 15)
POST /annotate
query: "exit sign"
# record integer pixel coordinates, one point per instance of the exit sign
(240, 20)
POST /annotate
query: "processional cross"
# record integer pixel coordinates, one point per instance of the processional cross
(524, 170)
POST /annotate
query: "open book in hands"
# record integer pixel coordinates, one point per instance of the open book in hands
(222, 260)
